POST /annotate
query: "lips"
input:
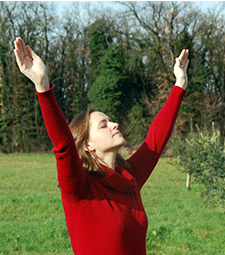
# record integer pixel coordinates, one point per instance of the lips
(117, 133)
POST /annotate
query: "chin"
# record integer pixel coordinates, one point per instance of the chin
(123, 143)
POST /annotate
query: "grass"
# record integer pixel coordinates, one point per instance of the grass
(179, 221)
(31, 215)
(32, 219)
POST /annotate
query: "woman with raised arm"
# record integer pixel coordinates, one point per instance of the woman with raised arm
(100, 190)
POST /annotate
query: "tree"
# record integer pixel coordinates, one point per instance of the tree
(20, 119)
(127, 55)
(99, 40)
(203, 157)
(160, 30)
(9, 103)
(214, 38)
(110, 92)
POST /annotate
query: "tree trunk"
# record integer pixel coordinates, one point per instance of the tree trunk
(188, 183)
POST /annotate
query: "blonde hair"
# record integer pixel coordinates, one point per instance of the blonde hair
(79, 127)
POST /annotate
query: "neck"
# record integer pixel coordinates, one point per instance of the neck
(108, 159)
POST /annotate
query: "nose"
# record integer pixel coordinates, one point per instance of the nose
(115, 125)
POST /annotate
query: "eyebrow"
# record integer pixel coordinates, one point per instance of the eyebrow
(103, 121)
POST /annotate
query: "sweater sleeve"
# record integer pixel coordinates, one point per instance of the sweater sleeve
(143, 161)
(71, 175)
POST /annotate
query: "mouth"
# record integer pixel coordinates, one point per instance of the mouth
(117, 133)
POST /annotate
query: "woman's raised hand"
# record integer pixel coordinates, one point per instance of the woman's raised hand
(180, 69)
(31, 65)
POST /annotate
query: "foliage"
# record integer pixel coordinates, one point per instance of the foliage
(21, 125)
(138, 125)
(110, 91)
(100, 39)
(121, 61)
(202, 156)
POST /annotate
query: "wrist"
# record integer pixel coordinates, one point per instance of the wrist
(43, 85)
(181, 83)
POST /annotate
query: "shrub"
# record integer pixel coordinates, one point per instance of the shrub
(202, 156)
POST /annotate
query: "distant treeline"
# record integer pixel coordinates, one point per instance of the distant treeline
(119, 60)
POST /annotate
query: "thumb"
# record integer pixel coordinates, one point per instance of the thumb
(31, 52)
(177, 61)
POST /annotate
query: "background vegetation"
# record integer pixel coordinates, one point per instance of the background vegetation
(32, 220)
(119, 61)
(202, 157)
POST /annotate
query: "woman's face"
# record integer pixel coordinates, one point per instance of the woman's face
(104, 135)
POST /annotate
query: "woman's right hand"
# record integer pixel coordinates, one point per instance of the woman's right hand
(180, 69)
(31, 65)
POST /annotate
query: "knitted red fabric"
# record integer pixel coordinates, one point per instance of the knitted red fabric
(105, 215)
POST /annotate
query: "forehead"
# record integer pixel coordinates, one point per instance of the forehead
(96, 117)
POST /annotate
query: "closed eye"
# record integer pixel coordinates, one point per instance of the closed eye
(104, 123)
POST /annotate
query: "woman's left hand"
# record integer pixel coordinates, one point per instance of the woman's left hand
(180, 69)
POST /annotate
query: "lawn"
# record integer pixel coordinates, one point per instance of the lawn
(32, 220)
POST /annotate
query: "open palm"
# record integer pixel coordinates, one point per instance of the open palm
(30, 64)
(180, 69)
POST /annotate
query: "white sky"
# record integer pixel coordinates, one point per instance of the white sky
(204, 4)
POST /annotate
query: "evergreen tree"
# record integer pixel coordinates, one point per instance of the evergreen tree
(110, 91)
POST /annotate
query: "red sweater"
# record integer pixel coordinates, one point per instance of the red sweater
(105, 215)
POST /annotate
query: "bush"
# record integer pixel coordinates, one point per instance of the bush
(202, 156)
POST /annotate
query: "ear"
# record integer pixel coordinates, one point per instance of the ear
(89, 147)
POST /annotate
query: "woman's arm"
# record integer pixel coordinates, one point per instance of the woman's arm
(71, 175)
(144, 160)
(162, 126)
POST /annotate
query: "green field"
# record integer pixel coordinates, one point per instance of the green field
(32, 220)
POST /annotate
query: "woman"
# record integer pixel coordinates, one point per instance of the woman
(101, 191)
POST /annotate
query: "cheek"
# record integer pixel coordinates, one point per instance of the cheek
(101, 139)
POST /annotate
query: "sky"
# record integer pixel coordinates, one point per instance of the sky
(204, 4)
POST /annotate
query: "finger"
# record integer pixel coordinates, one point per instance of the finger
(16, 44)
(18, 48)
(17, 53)
(183, 59)
(186, 65)
(18, 58)
(177, 64)
(31, 53)
(184, 55)
(21, 47)
(181, 54)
